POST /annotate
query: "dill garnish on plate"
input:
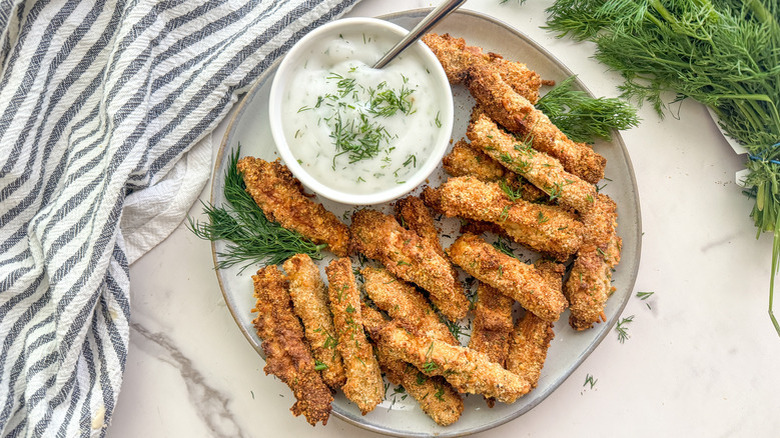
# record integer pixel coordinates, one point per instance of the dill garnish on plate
(253, 238)
(584, 118)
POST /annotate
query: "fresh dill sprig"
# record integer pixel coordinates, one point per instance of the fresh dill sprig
(644, 296)
(723, 54)
(589, 380)
(253, 238)
(584, 118)
(621, 328)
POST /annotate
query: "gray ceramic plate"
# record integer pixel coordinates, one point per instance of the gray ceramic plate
(401, 416)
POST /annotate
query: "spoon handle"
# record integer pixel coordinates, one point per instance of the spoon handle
(422, 27)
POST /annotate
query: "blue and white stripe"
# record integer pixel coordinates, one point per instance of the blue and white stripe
(98, 102)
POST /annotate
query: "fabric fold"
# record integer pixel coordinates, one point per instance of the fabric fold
(102, 104)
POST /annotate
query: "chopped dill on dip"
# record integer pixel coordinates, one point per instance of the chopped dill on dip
(358, 129)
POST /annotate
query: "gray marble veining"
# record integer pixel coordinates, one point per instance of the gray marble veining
(211, 404)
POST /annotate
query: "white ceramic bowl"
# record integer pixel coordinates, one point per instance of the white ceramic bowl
(284, 83)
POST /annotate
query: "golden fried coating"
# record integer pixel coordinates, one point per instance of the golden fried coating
(482, 227)
(280, 195)
(551, 272)
(542, 170)
(590, 281)
(310, 302)
(465, 369)
(532, 335)
(409, 258)
(456, 58)
(437, 398)
(515, 113)
(465, 160)
(364, 385)
(414, 215)
(403, 302)
(509, 275)
(548, 229)
(286, 354)
(492, 324)
(528, 349)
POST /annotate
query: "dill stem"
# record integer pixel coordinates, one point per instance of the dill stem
(747, 106)
(762, 14)
(665, 14)
(775, 256)
(653, 18)
(756, 110)
(667, 61)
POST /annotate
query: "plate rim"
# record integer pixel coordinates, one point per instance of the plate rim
(616, 139)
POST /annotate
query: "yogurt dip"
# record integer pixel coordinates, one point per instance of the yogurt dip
(359, 130)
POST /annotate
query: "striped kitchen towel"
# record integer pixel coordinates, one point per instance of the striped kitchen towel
(105, 112)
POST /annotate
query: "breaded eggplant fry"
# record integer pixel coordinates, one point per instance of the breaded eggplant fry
(548, 229)
(532, 335)
(552, 272)
(452, 55)
(590, 281)
(414, 215)
(456, 58)
(409, 258)
(437, 398)
(492, 324)
(280, 195)
(509, 275)
(515, 113)
(403, 302)
(522, 79)
(310, 302)
(465, 160)
(542, 170)
(465, 369)
(286, 354)
(528, 349)
(364, 385)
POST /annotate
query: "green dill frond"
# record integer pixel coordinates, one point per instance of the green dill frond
(584, 118)
(253, 238)
(589, 380)
(622, 329)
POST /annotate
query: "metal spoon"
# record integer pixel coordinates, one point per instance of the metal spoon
(422, 27)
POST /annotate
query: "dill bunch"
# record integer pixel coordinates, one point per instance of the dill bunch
(722, 53)
(254, 239)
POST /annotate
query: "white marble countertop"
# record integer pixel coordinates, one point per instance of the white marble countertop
(702, 355)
